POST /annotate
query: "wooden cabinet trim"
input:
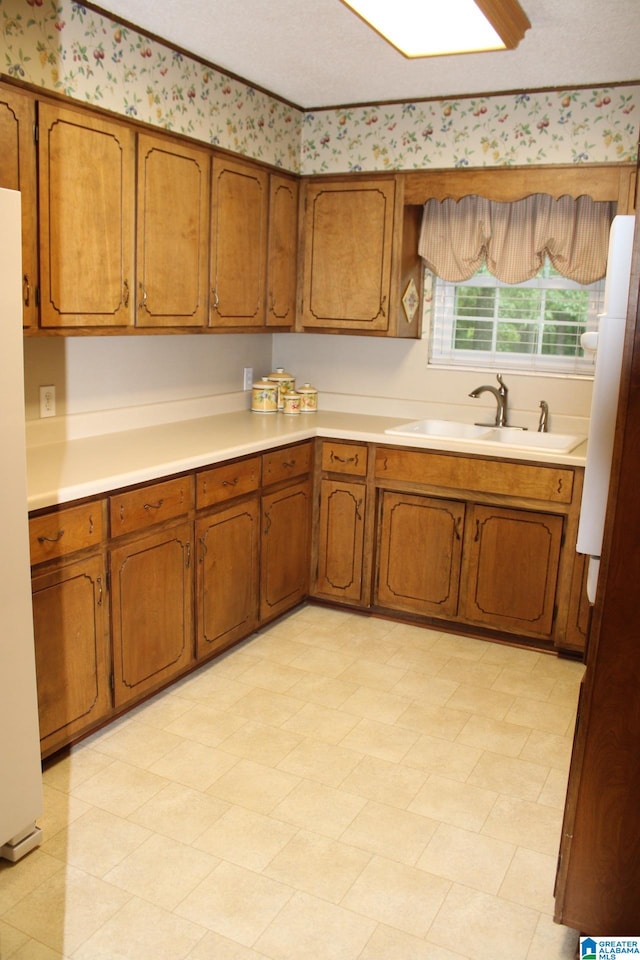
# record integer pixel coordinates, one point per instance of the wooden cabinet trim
(613, 182)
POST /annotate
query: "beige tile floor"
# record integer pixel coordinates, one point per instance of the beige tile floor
(337, 788)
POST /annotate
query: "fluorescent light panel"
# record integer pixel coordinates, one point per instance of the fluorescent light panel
(426, 28)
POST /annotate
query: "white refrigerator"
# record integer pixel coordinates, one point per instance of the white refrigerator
(608, 343)
(20, 768)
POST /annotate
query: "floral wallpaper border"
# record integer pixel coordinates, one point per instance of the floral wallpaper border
(68, 48)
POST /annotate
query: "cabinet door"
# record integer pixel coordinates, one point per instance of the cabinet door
(86, 178)
(18, 172)
(284, 573)
(240, 200)
(420, 549)
(341, 540)
(228, 545)
(512, 559)
(282, 247)
(579, 612)
(173, 233)
(348, 238)
(72, 652)
(151, 603)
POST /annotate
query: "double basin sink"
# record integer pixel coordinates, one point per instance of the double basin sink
(513, 437)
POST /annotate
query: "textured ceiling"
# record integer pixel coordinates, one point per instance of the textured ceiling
(316, 53)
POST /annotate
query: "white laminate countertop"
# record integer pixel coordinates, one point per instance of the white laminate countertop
(70, 470)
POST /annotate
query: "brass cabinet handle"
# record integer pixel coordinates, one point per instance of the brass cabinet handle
(56, 539)
(26, 289)
(125, 293)
(99, 582)
(230, 483)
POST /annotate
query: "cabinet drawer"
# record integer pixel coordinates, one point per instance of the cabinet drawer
(507, 478)
(227, 481)
(344, 458)
(282, 464)
(141, 508)
(65, 531)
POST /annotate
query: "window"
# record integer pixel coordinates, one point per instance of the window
(531, 326)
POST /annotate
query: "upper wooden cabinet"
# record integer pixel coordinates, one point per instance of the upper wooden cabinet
(358, 247)
(240, 201)
(18, 172)
(86, 180)
(172, 254)
(281, 250)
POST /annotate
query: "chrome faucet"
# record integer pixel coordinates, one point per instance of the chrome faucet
(500, 393)
(543, 423)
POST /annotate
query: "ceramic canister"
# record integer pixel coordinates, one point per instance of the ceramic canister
(264, 397)
(291, 402)
(284, 381)
(308, 398)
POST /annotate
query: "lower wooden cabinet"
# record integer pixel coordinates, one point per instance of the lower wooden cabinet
(227, 584)
(72, 650)
(130, 591)
(419, 554)
(341, 529)
(512, 560)
(151, 611)
(285, 545)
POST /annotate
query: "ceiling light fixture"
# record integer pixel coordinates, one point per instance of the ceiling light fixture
(431, 28)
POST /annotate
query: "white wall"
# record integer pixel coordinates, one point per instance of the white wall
(95, 374)
(362, 369)
(107, 373)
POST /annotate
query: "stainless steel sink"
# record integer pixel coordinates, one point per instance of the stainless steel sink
(513, 437)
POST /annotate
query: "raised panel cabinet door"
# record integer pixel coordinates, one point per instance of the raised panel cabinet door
(419, 554)
(282, 251)
(86, 179)
(72, 651)
(512, 559)
(240, 198)
(228, 545)
(151, 611)
(173, 233)
(341, 540)
(284, 568)
(348, 238)
(18, 172)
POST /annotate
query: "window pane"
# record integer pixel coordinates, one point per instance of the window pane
(517, 337)
(475, 301)
(473, 334)
(527, 326)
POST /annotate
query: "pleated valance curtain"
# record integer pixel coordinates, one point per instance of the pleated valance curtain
(458, 237)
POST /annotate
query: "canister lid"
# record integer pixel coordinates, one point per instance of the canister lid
(280, 374)
(264, 384)
(307, 388)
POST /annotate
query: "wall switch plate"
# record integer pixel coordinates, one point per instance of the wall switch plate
(248, 378)
(48, 401)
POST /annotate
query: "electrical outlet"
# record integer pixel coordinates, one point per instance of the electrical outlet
(248, 378)
(48, 401)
